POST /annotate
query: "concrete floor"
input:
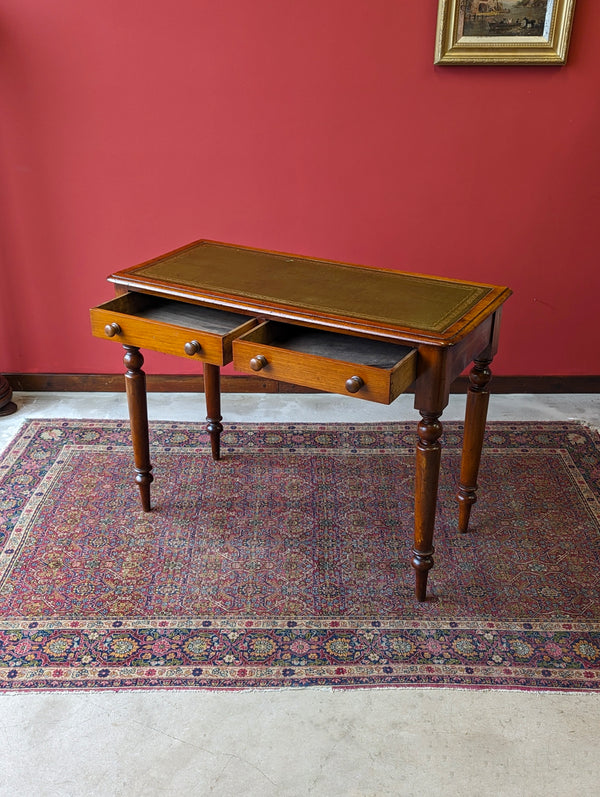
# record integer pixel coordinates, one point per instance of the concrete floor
(298, 742)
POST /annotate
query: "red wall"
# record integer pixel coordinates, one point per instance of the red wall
(130, 127)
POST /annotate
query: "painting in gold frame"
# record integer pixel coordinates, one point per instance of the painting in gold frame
(503, 31)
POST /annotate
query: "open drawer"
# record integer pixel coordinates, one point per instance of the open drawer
(170, 326)
(374, 370)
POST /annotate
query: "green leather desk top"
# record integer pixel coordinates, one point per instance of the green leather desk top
(338, 294)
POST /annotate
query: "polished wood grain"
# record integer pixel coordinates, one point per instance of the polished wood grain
(375, 370)
(183, 329)
(475, 418)
(359, 331)
(135, 383)
(170, 327)
(427, 471)
(212, 379)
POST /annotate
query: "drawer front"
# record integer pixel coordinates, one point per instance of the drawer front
(311, 360)
(171, 327)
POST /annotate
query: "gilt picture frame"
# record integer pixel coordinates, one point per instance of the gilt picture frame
(503, 31)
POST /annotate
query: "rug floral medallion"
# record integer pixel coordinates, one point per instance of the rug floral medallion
(286, 564)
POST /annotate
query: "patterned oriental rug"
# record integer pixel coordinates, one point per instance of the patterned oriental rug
(287, 563)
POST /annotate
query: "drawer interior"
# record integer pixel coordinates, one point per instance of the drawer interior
(332, 345)
(181, 314)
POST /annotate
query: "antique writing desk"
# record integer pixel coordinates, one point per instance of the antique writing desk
(359, 331)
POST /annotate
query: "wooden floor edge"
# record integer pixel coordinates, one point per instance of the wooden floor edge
(182, 383)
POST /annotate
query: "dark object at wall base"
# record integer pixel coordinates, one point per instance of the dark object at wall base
(7, 407)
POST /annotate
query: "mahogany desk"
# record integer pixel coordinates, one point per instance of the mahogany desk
(366, 332)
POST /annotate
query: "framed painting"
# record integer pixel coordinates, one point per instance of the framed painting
(503, 31)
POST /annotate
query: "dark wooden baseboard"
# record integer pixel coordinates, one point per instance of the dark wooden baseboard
(173, 383)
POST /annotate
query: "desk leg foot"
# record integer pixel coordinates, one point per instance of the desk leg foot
(212, 391)
(135, 385)
(426, 486)
(475, 418)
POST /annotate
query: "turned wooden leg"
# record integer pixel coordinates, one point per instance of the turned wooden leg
(475, 417)
(426, 487)
(212, 391)
(135, 384)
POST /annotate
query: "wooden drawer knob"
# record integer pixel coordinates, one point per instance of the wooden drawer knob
(354, 384)
(258, 362)
(192, 347)
(110, 330)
